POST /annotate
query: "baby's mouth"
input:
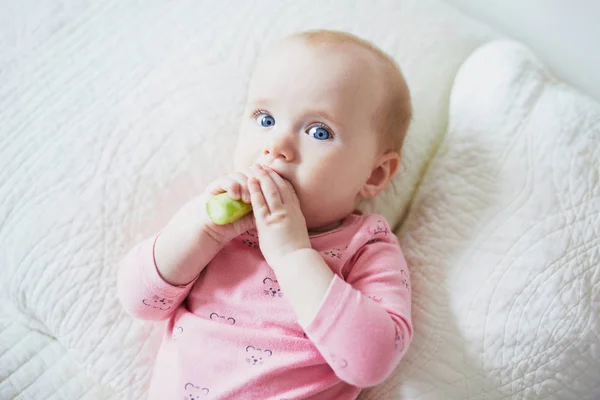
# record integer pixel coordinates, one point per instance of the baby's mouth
(283, 175)
(278, 172)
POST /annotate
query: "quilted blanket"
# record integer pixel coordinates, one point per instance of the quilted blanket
(114, 113)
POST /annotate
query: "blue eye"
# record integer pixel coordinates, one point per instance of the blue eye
(266, 120)
(319, 133)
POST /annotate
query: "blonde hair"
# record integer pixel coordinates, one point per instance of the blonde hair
(395, 112)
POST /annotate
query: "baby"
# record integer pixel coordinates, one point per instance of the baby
(304, 298)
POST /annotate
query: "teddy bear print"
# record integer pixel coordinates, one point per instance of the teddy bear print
(379, 229)
(216, 317)
(404, 279)
(177, 331)
(256, 356)
(158, 302)
(333, 253)
(271, 288)
(193, 392)
(339, 362)
(250, 240)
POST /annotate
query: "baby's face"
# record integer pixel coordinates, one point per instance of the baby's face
(310, 115)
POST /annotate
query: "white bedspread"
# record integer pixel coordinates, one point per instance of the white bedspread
(113, 113)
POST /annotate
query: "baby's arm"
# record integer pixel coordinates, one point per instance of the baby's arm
(185, 246)
(363, 325)
(143, 292)
(156, 276)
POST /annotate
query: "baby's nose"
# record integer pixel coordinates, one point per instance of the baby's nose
(281, 147)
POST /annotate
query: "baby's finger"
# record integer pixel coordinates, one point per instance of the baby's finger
(259, 206)
(242, 180)
(233, 188)
(244, 224)
(285, 187)
(225, 185)
(270, 190)
(216, 186)
(251, 171)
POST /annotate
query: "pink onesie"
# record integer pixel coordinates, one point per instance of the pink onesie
(231, 334)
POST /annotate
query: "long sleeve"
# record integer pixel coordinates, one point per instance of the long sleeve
(142, 291)
(363, 327)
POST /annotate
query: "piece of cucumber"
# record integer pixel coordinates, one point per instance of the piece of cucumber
(223, 210)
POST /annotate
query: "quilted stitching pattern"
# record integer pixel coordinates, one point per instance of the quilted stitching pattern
(39, 366)
(503, 240)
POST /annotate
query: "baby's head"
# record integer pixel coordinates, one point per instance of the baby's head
(329, 112)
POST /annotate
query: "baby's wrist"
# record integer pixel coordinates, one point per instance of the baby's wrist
(282, 261)
(209, 235)
(183, 250)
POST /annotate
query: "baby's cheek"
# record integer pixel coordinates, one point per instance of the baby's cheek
(322, 191)
(247, 150)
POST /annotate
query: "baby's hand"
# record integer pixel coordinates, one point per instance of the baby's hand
(190, 240)
(236, 185)
(279, 220)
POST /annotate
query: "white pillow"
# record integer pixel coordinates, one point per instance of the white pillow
(503, 240)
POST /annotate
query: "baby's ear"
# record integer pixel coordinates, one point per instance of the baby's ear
(381, 174)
